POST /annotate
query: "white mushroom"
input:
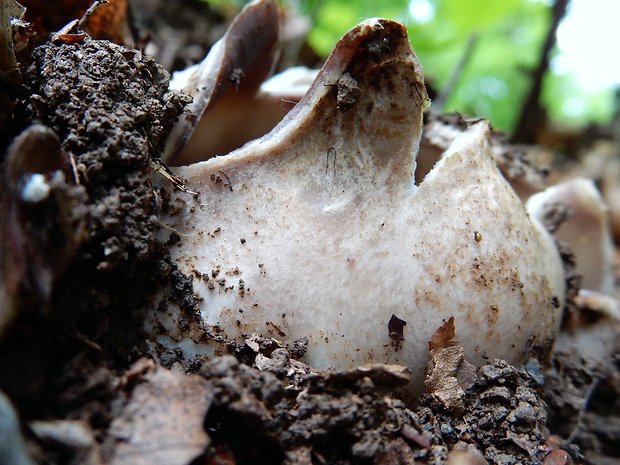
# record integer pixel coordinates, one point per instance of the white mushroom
(586, 229)
(318, 230)
(591, 329)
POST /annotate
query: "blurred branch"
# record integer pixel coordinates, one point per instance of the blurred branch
(533, 115)
(440, 101)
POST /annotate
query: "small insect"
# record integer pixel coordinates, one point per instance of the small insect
(477, 236)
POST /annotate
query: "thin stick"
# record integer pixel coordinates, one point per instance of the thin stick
(440, 101)
(90, 11)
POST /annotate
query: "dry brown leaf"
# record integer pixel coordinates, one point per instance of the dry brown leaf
(109, 22)
(163, 421)
(449, 374)
(442, 337)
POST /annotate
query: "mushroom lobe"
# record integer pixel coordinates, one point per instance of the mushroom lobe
(318, 230)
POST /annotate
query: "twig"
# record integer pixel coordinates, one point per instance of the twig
(160, 167)
(90, 11)
(440, 101)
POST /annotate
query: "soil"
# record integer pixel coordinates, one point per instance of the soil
(89, 388)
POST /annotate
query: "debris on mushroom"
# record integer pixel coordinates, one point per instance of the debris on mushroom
(319, 230)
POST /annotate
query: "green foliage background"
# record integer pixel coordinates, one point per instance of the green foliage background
(494, 82)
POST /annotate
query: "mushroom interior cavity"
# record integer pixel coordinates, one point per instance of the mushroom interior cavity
(318, 230)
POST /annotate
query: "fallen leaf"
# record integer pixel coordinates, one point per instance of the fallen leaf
(109, 22)
(449, 374)
(442, 337)
(163, 422)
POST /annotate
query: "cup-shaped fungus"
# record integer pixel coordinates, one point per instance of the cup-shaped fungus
(318, 229)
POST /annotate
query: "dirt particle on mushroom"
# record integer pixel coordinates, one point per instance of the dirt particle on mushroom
(396, 328)
(347, 92)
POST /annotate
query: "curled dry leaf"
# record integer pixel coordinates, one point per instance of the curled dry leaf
(224, 83)
(320, 230)
(41, 220)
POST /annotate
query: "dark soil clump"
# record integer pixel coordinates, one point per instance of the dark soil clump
(350, 417)
(111, 109)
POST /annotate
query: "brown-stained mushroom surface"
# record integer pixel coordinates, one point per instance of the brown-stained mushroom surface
(324, 294)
